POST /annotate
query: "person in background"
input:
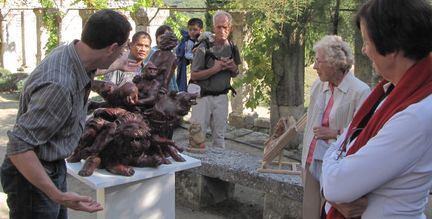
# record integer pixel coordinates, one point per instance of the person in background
(139, 49)
(212, 69)
(184, 50)
(51, 119)
(381, 166)
(172, 85)
(334, 99)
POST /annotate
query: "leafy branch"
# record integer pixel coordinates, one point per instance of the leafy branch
(50, 17)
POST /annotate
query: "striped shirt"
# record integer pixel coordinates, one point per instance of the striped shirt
(119, 77)
(52, 110)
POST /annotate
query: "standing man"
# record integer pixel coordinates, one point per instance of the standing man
(139, 50)
(51, 119)
(213, 66)
(184, 50)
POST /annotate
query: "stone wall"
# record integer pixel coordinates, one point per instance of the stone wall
(249, 121)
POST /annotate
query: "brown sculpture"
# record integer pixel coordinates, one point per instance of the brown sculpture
(148, 86)
(196, 138)
(164, 59)
(125, 96)
(130, 127)
(117, 144)
(165, 115)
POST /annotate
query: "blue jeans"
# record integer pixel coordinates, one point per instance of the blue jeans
(25, 200)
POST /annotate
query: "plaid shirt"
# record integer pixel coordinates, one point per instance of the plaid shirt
(52, 110)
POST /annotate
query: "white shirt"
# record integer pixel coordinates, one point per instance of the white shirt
(394, 168)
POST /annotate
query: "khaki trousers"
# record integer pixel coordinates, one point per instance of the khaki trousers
(312, 198)
(212, 111)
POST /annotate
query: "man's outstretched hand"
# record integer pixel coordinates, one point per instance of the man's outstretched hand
(124, 64)
(79, 203)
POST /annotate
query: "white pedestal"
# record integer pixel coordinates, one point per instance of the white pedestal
(149, 193)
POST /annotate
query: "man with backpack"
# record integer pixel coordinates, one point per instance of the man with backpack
(214, 64)
(184, 51)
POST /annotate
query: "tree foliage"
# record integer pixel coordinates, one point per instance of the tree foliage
(177, 21)
(144, 4)
(50, 17)
(267, 23)
(94, 4)
(267, 27)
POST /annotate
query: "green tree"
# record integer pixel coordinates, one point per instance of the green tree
(279, 42)
(51, 20)
(274, 52)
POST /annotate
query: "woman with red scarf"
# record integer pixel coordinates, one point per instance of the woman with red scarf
(381, 166)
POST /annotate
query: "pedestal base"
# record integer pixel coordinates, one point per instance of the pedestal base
(149, 193)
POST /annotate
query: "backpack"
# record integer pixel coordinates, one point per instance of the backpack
(208, 44)
(182, 62)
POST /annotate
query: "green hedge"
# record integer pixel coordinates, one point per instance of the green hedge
(11, 82)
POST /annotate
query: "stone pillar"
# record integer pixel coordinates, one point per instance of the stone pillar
(141, 19)
(23, 43)
(2, 38)
(157, 17)
(39, 31)
(85, 15)
(237, 36)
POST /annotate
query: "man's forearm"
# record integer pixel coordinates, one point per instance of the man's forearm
(31, 168)
(202, 75)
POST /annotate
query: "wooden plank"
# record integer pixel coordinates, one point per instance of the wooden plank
(275, 149)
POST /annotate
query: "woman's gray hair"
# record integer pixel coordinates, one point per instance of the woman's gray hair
(222, 13)
(336, 52)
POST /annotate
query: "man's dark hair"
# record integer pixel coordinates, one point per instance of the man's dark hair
(140, 34)
(104, 28)
(195, 21)
(162, 29)
(399, 25)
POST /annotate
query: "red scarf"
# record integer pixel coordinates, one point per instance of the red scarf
(414, 86)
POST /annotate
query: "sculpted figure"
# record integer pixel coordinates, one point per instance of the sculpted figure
(196, 138)
(97, 133)
(164, 59)
(117, 144)
(148, 86)
(128, 148)
(130, 128)
(164, 115)
(125, 96)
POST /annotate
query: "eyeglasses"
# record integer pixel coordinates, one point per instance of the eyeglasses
(317, 61)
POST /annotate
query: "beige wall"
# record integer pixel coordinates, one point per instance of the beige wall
(21, 38)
